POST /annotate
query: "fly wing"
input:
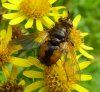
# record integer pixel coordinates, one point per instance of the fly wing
(30, 41)
(72, 63)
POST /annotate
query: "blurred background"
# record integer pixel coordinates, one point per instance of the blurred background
(90, 22)
(90, 12)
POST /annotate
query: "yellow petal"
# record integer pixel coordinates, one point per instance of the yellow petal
(3, 1)
(16, 48)
(14, 72)
(29, 23)
(80, 88)
(52, 1)
(43, 89)
(86, 47)
(55, 15)
(22, 82)
(20, 62)
(36, 62)
(76, 20)
(17, 20)
(33, 74)
(60, 62)
(3, 34)
(6, 71)
(84, 64)
(47, 22)
(9, 34)
(78, 56)
(58, 7)
(65, 14)
(34, 86)
(10, 6)
(84, 53)
(11, 15)
(16, 2)
(85, 77)
(39, 25)
(83, 34)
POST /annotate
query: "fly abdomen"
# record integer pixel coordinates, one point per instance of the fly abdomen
(49, 53)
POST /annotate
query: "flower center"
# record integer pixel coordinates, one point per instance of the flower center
(4, 57)
(4, 53)
(11, 87)
(76, 38)
(35, 8)
(59, 79)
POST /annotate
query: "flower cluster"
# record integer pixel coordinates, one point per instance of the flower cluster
(26, 29)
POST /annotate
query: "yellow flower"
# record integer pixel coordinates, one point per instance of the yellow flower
(78, 39)
(61, 77)
(6, 51)
(34, 11)
(10, 84)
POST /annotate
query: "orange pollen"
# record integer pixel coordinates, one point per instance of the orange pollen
(35, 8)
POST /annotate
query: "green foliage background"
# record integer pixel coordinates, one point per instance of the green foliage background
(90, 12)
